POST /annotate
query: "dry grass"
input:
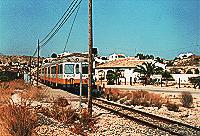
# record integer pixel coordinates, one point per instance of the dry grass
(143, 98)
(186, 99)
(5, 92)
(34, 94)
(84, 123)
(62, 111)
(8, 88)
(172, 106)
(19, 120)
(18, 84)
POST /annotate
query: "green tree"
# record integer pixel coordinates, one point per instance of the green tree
(195, 81)
(143, 57)
(170, 63)
(160, 60)
(189, 71)
(167, 76)
(196, 71)
(111, 77)
(148, 69)
(140, 56)
(53, 55)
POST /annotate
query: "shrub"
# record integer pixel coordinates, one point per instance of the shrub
(122, 100)
(172, 107)
(33, 93)
(4, 85)
(114, 97)
(189, 71)
(141, 97)
(186, 99)
(20, 119)
(196, 71)
(18, 84)
(5, 93)
(62, 102)
(62, 112)
(79, 122)
(85, 122)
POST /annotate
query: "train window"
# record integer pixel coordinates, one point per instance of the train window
(69, 68)
(48, 70)
(85, 68)
(60, 69)
(53, 70)
(77, 68)
(42, 70)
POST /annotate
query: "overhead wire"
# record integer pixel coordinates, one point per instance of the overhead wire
(58, 21)
(70, 11)
(34, 52)
(63, 22)
(71, 29)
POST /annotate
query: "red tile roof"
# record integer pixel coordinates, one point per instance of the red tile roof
(122, 63)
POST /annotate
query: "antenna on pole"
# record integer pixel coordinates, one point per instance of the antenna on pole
(90, 67)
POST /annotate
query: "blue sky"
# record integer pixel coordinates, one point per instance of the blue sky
(163, 28)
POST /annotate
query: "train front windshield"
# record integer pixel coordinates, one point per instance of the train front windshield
(69, 68)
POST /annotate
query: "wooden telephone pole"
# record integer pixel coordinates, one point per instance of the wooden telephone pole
(90, 67)
(30, 68)
(38, 62)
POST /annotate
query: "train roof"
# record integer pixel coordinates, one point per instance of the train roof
(64, 61)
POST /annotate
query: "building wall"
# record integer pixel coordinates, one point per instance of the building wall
(184, 78)
(128, 73)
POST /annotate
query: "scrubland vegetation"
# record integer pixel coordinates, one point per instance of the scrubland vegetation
(147, 99)
(21, 117)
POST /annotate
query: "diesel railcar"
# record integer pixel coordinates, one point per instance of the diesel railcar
(65, 74)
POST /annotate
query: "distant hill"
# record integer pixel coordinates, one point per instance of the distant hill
(193, 60)
(15, 59)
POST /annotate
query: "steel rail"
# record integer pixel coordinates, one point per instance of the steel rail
(163, 119)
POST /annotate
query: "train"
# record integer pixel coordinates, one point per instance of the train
(65, 74)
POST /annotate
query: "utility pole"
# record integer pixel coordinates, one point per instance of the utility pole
(38, 62)
(80, 98)
(30, 68)
(90, 44)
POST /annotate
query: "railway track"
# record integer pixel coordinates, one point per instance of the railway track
(168, 125)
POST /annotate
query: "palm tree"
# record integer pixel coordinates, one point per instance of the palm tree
(195, 81)
(111, 77)
(167, 76)
(148, 69)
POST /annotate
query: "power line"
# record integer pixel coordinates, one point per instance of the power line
(71, 9)
(58, 22)
(34, 52)
(71, 28)
(63, 22)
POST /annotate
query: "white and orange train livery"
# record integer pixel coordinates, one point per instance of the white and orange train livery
(65, 74)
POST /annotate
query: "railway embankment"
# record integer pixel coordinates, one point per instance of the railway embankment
(44, 110)
(166, 96)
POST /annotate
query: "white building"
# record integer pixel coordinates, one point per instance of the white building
(186, 55)
(184, 78)
(126, 67)
(116, 56)
(101, 59)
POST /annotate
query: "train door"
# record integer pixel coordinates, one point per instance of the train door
(60, 74)
(56, 75)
